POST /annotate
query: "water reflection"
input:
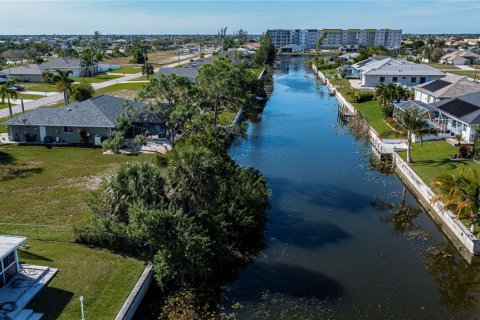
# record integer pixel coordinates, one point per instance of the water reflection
(457, 281)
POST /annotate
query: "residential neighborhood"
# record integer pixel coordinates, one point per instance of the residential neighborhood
(239, 160)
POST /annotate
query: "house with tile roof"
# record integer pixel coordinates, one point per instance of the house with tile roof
(87, 122)
(450, 86)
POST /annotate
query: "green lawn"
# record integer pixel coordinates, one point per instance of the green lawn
(442, 66)
(432, 159)
(226, 118)
(41, 87)
(121, 87)
(372, 113)
(104, 279)
(468, 73)
(128, 70)
(3, 105)
(97, 78)
(30, 96)
(57, 182)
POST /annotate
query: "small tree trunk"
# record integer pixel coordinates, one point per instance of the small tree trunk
(409, 145)
(215, 116)
(10, 107)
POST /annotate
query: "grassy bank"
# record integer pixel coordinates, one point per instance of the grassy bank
(432, 159)
(98, 78)
(104, 279)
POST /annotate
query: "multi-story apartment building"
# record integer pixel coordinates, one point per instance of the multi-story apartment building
(336, 38)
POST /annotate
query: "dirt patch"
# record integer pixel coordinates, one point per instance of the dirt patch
(125, 94)
(87, 182)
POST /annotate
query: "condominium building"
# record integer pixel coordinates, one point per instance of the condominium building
(336, 38)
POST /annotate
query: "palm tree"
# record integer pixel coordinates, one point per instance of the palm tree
(7, 92)
(460, 193)
(412, 124)
(47, 76)
(459, 138)
(64, 83)
(89, 60)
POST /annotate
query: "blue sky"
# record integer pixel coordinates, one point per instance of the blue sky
(206, 17)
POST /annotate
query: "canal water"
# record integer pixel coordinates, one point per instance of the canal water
(344, 241)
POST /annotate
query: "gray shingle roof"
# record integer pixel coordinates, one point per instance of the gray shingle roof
(449, 86)
(98, 112)
(188, 72)
(465, 108)
(61, 63)
(26, 69)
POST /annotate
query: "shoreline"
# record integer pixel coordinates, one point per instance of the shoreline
(465, 242)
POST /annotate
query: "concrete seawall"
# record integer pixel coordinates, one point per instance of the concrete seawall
(136, 295)
(466, 243)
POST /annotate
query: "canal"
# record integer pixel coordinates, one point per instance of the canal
(344, 241)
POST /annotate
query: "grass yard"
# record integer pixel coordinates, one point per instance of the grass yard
(41, 87)
(440, 66)
(128, 70)
(124, 90)
(226, 117)
(467, 73)
(432, 159)
(98, 78)
(103, 278)
(51, 186)
(30, 96)
(3, 105)
(372, 113)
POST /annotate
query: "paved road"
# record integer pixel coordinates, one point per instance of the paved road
(59, 96)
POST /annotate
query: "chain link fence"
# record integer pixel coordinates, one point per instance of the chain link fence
(91, 237)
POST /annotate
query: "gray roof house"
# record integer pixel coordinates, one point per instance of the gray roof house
(86, 122)
(459, 57)
(400, 72)
(450, 86)
(189, 70)
(33, 72)
(3, 77)
(460, 115)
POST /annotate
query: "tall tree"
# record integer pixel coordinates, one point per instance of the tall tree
(89, 60)
(173, 98)
(222, 86)
(64, 83)
(7, 92)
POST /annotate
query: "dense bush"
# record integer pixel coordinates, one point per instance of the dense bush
(364, 96)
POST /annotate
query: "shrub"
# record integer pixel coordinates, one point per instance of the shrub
(387, 110)
(364, 96)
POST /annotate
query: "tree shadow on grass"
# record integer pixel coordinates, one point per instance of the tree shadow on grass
(51, 302)
(31, 256)
(18, 171)
(6, 158)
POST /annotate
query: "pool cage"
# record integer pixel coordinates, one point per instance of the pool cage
(428, 113)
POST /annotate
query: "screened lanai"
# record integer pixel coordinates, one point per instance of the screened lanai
(425, 111)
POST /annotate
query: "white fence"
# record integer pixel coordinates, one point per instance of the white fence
(456, 227)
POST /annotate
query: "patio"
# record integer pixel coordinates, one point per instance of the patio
(19, 291)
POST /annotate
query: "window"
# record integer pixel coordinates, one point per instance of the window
(382, 79)
(395, 79)
(413, 80)
(464, 127)
(67, 129)
(423, 79)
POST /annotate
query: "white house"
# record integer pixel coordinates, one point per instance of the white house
(459, 57)
(399, 72)
(460, 115)
(9, 266)
(450, 86)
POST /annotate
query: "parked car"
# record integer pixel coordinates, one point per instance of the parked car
(17, 87)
